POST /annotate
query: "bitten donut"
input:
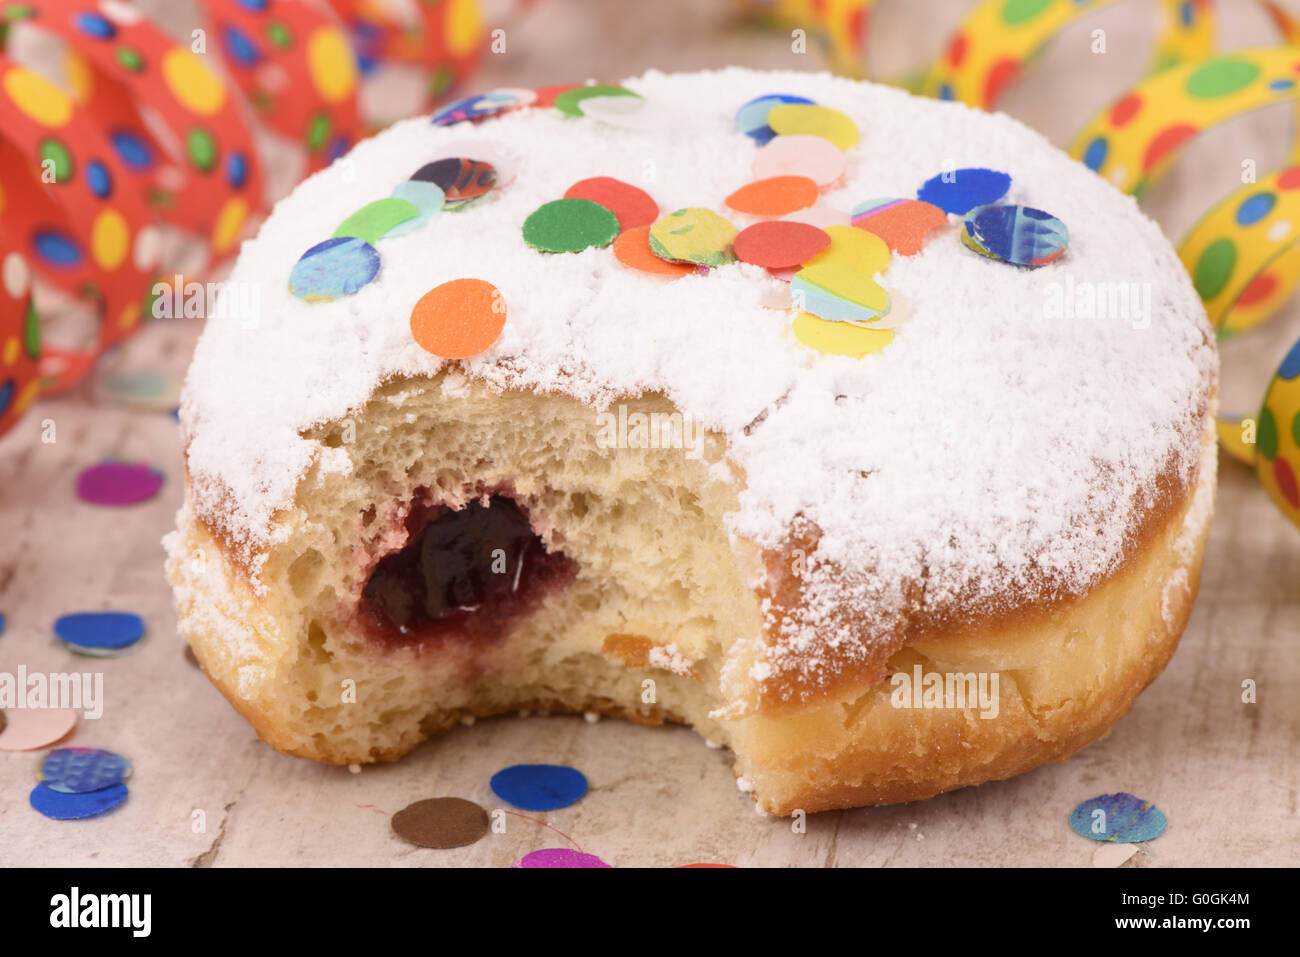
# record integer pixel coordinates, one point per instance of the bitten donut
(870, 436)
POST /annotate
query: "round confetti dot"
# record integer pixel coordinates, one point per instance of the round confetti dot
(80, 770)
(693, 235)
(193, 82)
(1020, 235)
(568, 101)
(73, 807)
(961, 190)
(99, 631)
(559, 857)
(838, 293)
(632, 249)
(801, 155)
(627, 112)
(631, 205)
(56, 249)
(751, 119)
(459, 319)
(1221, 77)
(839, 338)
(1214, 268)
(331, 63)
(796, 119)
(1120, 818)
(473, 108)
(441, 822)
(460, 179)
(337, 267)
(118, 483)
(30, 729)
(570, 226)
(375, 219)
(775, 196)
(856, 249)
(539, 787)
(903, 224)
(427, 198)
(780, 245)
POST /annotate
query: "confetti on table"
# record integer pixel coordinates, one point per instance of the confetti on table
(693, 235)
(961, 190)
(539, 787)
(797, 119)
(751, 119)
(79, 770)
(774, 196)
(441, 822)
(374, 220)
(99, 632)
(684, 867)
(802, 155)
(780, 245)
(30, 729)
(568, 101)
(118, 483)
(631, 205)
(904, 224)
(839, 338)
(1120, 818)
(570, 226)
(459, 319)
(461, 180)
(73, 807)
(559, 857)
(1020, 235)
(838, 293)
(854, 248)
(337, 267)
(632, 249)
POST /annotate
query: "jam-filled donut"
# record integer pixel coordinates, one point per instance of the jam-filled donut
(907, 493)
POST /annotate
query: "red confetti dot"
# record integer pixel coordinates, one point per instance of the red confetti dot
(1124, 111)
(1003, 72)
(546, 94)
(630, 205)
(1165, 143)
(780, 244)
(957, 50)
(1286, 483)
(1289, 179)
(1260, 288)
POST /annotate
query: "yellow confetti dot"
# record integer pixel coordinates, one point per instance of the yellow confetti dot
(333, 68)
(36, 96)
(855, 248)
(230, 220)
(839, 338)
(193, 82)
(794, 118)
(464, 27)
(110, 239)
(11, 351)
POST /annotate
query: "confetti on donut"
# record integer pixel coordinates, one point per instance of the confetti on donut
(631, 205)
(570, 226)
(839, 338)
(780, 245)
(693, 235)
(479, 107)
(800, 155)
(461, 180)
(375, 220)
(335, 268)
(627, 112)
(838, 293)
(794, 119)
(632, 249)
(1019, 235)
(961, 190)
(904, 224)
(751, 119)
(774, 196)
(855, 249)
(459, 319)
(1119, 818)
(569, 102)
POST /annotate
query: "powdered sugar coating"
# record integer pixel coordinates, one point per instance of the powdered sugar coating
(988, 448)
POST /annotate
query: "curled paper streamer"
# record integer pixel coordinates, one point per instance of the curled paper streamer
(20, 336)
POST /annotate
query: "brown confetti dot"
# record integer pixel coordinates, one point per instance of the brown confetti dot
(441, 822)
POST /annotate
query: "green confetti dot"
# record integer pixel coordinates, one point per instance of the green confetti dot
(570, 226)
(32, 332)
(373, 220)
(202, 148)
(279, 34)
(317, 131)
(54, 152)
(130, 59)
(1221, 78)
(1018, 11)
(1214, 268)
(1266, 437)
(567, 102)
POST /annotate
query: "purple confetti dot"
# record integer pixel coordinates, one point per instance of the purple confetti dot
(118, 483)
(559, 857)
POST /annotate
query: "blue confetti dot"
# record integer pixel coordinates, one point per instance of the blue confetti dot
(98, 631)
(82, 770)
(237, 170)
(239, 47)
(751, 119)
(1095, 155)
(131, 149)
(1020, 235)
(959, 191)
(93, 25)
(1120, 818)
(539, 787)
(57, 249)
(337, 267)
(1255, 208)
(100, 180)
(71, 807)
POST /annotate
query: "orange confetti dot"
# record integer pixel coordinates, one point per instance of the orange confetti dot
(632, 249)
(459, 319)
(774, 196)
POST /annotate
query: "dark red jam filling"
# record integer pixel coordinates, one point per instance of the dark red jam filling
(467, 572)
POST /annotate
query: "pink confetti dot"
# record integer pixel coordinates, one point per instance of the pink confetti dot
(559, 857)
(118, 483)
